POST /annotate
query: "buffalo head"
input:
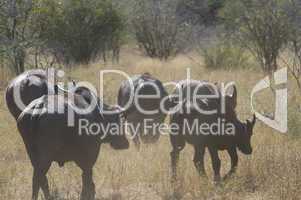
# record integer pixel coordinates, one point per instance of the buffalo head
(244, 136)
(111, 116)
(117, 138)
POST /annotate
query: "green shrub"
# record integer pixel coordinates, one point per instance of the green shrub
(225, 56)
(79, 30)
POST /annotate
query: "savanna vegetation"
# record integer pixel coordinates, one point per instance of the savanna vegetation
(219, 40)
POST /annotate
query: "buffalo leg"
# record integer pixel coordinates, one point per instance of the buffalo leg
(216, 164)
(174, 155)
(135, 135)
(39, 180)
(178, 143)
(88, 187)
(35, 185)
(234, 161)
(198, 159)
(174, 162)
(45, 187)
(136, 141)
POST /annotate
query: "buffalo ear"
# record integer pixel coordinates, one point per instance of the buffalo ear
(251, 122)
(231, 96)
(56, 89)
(254, 120)
(73, 83)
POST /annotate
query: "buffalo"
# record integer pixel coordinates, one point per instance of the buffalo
(32, 84)
(48, 138)
(206, 134)
(146, 85)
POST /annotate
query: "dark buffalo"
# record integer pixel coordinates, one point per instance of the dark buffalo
(144, 84)
(33, 84)
(215, 140)
(48, 138)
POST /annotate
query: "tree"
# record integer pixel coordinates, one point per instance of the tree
(261, 26)
(80, 30)
(294, 45)
(157, 29)
(16, 32)
(200, 12)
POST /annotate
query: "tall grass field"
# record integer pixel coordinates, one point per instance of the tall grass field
(273, 171)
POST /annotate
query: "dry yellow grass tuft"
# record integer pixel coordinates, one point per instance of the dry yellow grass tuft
(273, 171)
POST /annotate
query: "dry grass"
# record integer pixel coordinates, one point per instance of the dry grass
(272, 172)
(5, 76)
